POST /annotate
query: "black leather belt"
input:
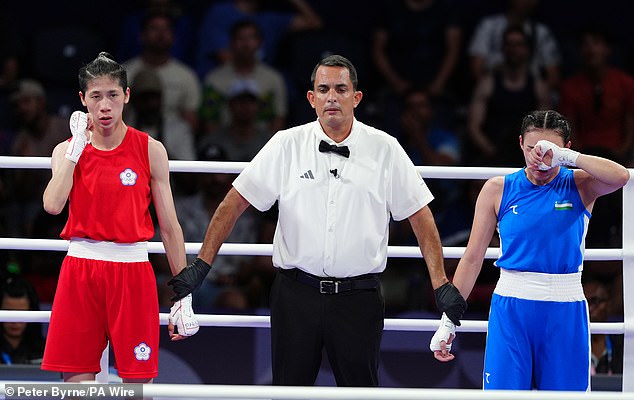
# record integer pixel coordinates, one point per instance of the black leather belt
(327, 285)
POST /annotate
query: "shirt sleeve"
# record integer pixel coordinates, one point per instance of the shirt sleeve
(408, 192)
(260, 182)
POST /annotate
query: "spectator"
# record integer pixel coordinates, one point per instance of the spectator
(599, 101)
(607, 350)
(146, 112)
(427, 144)
(9, 75)
(181, 88)
(214, 34)
(183, 48)
(486, 52)
(37, 133)
(242, 138)
(20, 342)
(417, 43)
(500, 100)
(245, 68)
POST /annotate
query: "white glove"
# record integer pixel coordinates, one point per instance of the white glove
(182, 316)
(445, 331)
(78, 124)
(561, 155)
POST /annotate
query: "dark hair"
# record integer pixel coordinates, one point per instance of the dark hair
(548, 119)
(16, 286)
(151, 16)
(103, 65)
(598, 32)
(336, 60)
(244, 23)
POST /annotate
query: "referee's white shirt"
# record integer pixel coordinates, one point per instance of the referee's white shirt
(329, 225)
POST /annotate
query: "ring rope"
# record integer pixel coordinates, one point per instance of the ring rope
(263, 321)
(260, 249)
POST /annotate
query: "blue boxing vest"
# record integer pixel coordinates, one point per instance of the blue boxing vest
(542, 228)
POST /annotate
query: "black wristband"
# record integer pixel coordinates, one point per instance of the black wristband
(189, 279)
(450, 301)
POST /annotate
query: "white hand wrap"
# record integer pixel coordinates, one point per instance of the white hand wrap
(78, 125)
(445, 331)
(561, 155)
(182, 316)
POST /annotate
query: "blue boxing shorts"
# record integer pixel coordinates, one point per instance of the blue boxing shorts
(538, 334)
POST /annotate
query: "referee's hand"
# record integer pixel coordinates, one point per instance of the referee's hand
(450, 301)
(189, 279)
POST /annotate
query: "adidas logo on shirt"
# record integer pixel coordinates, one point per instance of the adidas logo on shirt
(307, 175)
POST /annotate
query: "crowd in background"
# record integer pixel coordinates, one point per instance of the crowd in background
(214, 80)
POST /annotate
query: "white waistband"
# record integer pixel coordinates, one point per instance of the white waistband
(540, 286)
(108, 251)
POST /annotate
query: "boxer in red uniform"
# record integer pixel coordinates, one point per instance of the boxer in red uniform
(110, 173)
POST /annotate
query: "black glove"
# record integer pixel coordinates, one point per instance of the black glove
(189, 279)
(450, 301)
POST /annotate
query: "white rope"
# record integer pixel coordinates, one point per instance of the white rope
(181, 391)
(260, 249)
(232, 167)
(263, 321)
(237, 167)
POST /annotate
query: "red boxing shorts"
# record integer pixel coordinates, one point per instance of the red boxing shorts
(106, 292)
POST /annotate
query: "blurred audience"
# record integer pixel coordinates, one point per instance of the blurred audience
(427, 144)
(599, 101)
(130, 45)
(145, 111)
(500, 100)
(181, 90)
(242, 137)
(214, 32)
(607, 350)
(194, 212)
(9, 76)
(417, 43)
(414, 53)
(20, 342)
(486, 47)
(244, 68)
(37, 133)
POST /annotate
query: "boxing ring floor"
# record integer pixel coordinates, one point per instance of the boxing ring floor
(626, 254)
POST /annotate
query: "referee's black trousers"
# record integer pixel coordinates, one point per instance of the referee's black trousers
(348, 325)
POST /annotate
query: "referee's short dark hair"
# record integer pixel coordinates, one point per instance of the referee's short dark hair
(336, 60)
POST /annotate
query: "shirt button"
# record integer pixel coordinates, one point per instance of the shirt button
(332, 202)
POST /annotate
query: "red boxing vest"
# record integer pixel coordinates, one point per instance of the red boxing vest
(110, 198)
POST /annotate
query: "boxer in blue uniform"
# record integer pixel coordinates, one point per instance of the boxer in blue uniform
(538, 333)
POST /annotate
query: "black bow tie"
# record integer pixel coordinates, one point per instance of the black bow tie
(324, 147)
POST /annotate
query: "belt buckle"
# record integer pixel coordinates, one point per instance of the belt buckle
(328, 287)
